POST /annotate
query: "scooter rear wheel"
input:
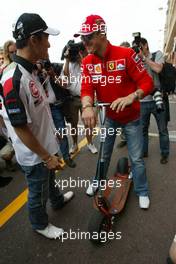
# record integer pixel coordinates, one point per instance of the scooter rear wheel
(99, 227)
(122, 166)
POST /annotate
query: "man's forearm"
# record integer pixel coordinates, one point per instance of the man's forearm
(156, 67)
(30, 141)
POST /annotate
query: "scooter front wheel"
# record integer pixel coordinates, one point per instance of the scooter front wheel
(99, 226)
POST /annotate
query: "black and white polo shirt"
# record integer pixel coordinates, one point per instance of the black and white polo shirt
(24, 102)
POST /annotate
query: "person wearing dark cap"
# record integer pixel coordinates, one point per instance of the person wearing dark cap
(124, 73)
(29, 123)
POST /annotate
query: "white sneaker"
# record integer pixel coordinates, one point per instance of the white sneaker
(51, 231)
(130, 176)
(68, 196)
(144, 202)
(73, 149)
(92, 148)
(91, 190)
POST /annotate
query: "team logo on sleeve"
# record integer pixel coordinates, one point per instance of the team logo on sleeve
(136, 58)
(111, 66)
(34, 90)
(140, 67)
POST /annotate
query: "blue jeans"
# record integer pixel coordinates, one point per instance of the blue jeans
(59, 123)
(148, 108)
(133, 135)
(41, 186)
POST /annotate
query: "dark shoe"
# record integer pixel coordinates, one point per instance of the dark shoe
(145, 155)
(164, 160)
(70, 163)
(122, 144)
(68, 196)
(5, 181)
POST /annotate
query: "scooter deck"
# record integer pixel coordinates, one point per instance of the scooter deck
(116, 195)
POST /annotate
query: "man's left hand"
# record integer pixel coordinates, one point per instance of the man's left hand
(120, 103)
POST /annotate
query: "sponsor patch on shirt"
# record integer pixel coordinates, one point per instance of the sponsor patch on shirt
(90, 67)
(97, 68)
(136, 58)
(34, 90)
(14, 111)
(111, 66)
(94, 68)
(121, 65)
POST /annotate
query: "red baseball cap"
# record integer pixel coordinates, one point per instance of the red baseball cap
(91, 24)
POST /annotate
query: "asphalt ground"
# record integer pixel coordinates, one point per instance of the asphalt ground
(145, 235)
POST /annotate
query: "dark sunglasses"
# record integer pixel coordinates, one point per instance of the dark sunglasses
(87, 38)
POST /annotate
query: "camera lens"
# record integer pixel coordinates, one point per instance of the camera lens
(158, 101)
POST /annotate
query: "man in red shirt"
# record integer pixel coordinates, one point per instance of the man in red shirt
(117, 75)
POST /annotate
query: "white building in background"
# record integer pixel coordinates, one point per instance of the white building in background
(170, 32)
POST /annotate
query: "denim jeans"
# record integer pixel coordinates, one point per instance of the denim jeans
(41, 186)
(148, 108)
(59, 123)
(133, 135)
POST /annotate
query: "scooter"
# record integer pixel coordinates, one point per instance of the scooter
(112, 195)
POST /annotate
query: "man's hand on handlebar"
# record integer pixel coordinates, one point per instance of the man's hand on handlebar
(120, 103)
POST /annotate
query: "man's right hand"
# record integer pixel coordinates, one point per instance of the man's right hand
(89, 117)
(54, 163)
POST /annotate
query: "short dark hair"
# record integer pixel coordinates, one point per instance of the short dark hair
(20, 44)
(125, 44)
(143, 41)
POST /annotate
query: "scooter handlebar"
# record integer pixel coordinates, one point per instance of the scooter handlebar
(102, 104)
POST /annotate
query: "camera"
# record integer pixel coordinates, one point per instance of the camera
(46, 64)
(43, 64)
(136, 42)
(157, 97)
(74, 49)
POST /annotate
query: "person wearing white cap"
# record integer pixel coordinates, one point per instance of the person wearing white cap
(29, 123)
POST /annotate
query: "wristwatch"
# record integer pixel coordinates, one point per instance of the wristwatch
(136, 96)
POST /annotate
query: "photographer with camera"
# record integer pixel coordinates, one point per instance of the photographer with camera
(56, 96)
(155, 102)
(73, 54)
